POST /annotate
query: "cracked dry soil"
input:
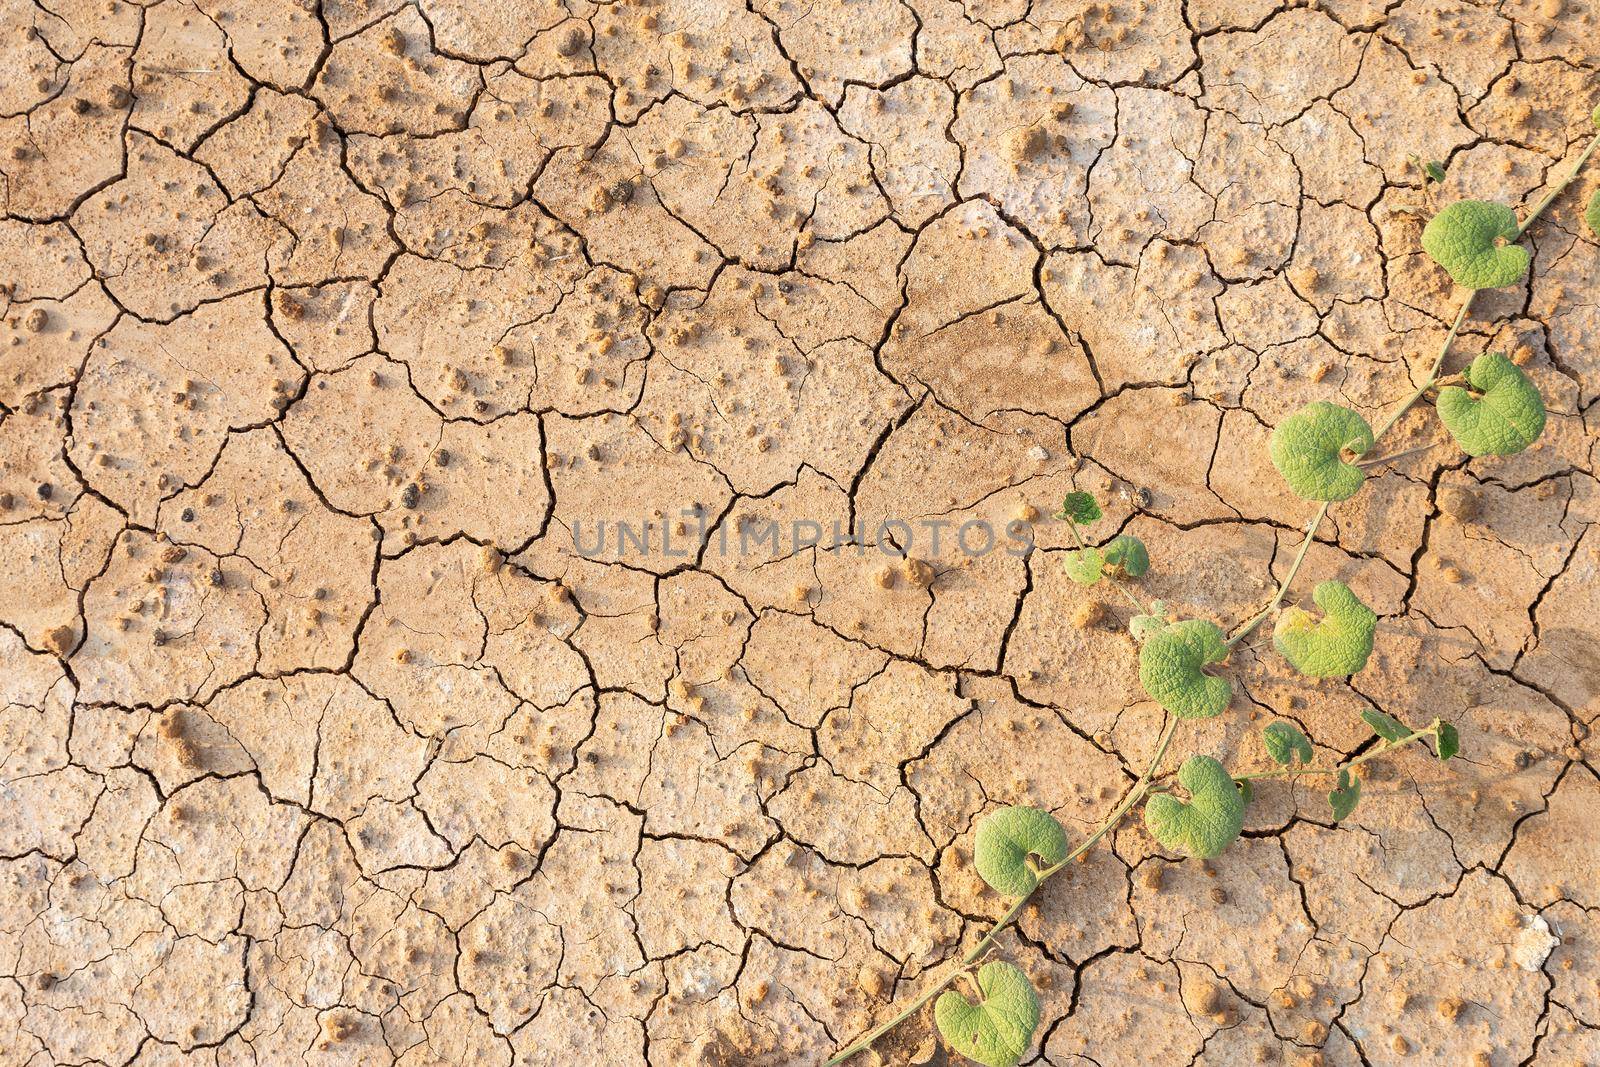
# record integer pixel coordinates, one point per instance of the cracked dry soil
(329, 326)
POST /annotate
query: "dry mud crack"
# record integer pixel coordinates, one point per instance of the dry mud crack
(334, 334)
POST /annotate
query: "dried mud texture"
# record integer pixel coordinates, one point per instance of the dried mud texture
(329, 332)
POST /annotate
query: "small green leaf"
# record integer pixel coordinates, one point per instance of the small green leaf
(1504, 415)
(1142, 626)
(1435, 171)
(1308, 449)
(1345, 796)
(1247, 790)
(1335, 646)
(1594, 117)
(1448, 740)
(1084, 565)
(1284, 742)
(997, 1030)
(1006, 838)
(1471, 240)
(1126, 556)
(1385, 726)
(1592, 216)
(1079, 508)
(1211, 819)
(1171, 669)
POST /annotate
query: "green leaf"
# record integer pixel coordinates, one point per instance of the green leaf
(1284, 742)
(1592, 216)
(1170, 669)
(1471, 240)
(1434, 170)
(1142, 626)
(1345, 796)
(1385, 726)
(1079, 508)
(1335, 646)
(1211, 819)
(1594, 117)
(1006, 838)
(1084, 565)
(1247, 790)
(1126, 556)
(1448, 740)
(1506, 415)
(997, 1030)
(1308, 446)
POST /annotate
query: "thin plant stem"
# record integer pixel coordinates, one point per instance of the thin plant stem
(1433, 372)
(1392, 456)
(1118, 586)
(1140, 788)
(1283, 586)
(1291, 772)
(1550, 197)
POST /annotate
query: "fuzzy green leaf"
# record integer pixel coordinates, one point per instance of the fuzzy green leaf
(1006, 838)
(1084, 565)
(1592, 216)
(1385, 726)
(1345, 796)
(1211, 819)
(1171, 669)
(1284, 742)
(1080, 508)
(1308, 446)
(1126, 556)
(997, 1030)
(1448, 740)
(1335, 646)
(1142, 626)
(1434, 170)
(1506, 415)
(1471, 240)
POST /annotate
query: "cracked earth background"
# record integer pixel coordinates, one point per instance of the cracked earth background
(324, 324)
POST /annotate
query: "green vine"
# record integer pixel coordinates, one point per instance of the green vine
(1322, 451)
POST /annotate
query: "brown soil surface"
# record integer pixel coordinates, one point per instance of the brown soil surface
(330, 332)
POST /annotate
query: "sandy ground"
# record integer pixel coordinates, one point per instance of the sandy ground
(332, 333)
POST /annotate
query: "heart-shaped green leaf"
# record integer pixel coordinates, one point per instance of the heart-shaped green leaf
(1387, 727)
(1592, 216)
(1447, 740)
(1284, 742)
(1142, 626)
(1335, 646)
(1006, 838)
(1505, 416)
(1126, 556)
(1211, 819)
(1345, 796)
(1170, 669)
(1472, 241)
(999, 1028)
(1084, 565)
(1079, 508)
(1308, 449)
